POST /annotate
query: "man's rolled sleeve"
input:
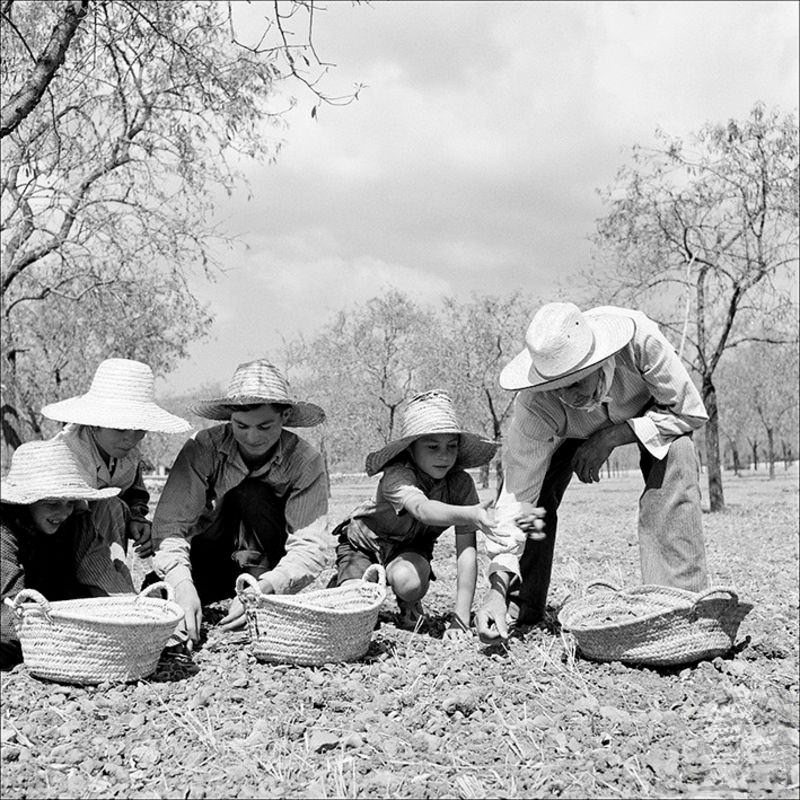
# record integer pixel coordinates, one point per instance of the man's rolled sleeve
(308, 546)
(678, 407)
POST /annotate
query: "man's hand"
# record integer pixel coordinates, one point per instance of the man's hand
(140, 532)
(531, 520)
(187, 598)
(235, 618)
(592, 454)
(490, 620)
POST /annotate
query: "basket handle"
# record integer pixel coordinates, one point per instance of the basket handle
(734, 598)
(29, 594)
(379, 571)
(593, 584)
(247, 581)
(158, 585)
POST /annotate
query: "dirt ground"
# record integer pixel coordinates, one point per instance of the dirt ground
(421, 717)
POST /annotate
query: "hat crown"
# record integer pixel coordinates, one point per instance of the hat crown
(44, 469)
(429, 412)
(122, 379)
(559, 339)
(259, 378)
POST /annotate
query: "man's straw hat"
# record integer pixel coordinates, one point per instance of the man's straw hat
(563, 345)
(121, 396)
(48, 471)
(427, 413)
(255, 383)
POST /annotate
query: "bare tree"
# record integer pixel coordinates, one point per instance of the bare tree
(703, 235)
(475, 339)
(766, 378)
(361, 366)
(124, 120)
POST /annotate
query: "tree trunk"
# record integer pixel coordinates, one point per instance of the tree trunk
(484, 476)
(498, 471)
(771, 452)
(716, 498)
(754, 446)
(324, 453)
(737, 464)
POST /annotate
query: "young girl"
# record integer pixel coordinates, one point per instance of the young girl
(423, 491)
(104, 429)
(47, 540)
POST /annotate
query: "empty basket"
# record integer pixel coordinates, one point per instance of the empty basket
(657, 625)
(317, 627)
(94, 639)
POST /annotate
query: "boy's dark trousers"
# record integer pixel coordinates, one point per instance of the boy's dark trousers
(671, 545)
(249, 535)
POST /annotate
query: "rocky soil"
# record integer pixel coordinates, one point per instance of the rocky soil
(424, 717)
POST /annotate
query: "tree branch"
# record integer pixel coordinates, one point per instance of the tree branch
(25, 99)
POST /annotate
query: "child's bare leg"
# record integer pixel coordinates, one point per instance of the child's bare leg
(409, 576)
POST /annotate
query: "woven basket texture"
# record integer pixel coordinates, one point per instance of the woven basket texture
(657, 625)
(97, 639)
(312, 628)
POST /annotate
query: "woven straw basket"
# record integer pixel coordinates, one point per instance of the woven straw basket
(312, 628)
(96, 639)
(657, 625)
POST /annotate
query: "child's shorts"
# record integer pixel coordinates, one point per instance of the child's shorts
(352, 561)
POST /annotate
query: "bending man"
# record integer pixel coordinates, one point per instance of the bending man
(588, 383)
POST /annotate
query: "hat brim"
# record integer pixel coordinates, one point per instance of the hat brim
(18, 495)
(473, 451)
(612, 332)
(302, 415)
(121, 415)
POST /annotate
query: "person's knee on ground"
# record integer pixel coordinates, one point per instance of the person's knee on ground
(409, 577)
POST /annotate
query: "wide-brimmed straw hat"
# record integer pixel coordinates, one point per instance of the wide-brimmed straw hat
(427, 413)
(254, 383)
(564, 344)
(121, 396)
(48, 471)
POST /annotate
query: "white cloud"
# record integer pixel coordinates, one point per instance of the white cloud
(472, 158)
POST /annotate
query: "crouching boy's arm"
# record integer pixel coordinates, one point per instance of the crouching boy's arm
(308, 545)
(466, 579)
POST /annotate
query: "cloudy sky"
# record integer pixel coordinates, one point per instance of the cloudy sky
(471, 160)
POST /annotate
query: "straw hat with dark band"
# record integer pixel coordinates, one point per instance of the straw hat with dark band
(563, 345)
(121, 396)
(256, 383)
(47, 471)
(425, 414)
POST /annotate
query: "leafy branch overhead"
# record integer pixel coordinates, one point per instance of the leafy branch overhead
(125, 122)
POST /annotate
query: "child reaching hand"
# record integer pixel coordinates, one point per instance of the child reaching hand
(423, 491)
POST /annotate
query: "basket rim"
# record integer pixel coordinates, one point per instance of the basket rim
(636, 592)
(57, 612)
(291, 601)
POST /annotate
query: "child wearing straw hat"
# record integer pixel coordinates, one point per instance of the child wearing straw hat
(104, 428)
(245, 496)
(424, 490)
(47, 540)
